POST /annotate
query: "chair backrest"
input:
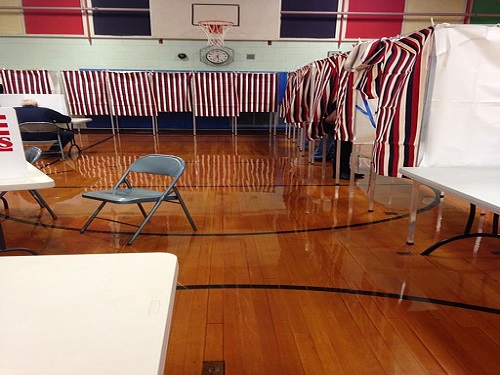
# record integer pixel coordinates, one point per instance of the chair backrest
(32, 154)
(167, 165)
(37, 127)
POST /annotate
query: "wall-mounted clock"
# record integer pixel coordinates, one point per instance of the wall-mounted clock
(217, 55)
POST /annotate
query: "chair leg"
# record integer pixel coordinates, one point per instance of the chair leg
(42, 202)
(184, 207)
(96, 212)
(59, 143)
(143, 224)
(144, 213)
(5, 203)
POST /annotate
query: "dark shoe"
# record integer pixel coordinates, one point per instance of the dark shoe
(320, 158)
(347, 176)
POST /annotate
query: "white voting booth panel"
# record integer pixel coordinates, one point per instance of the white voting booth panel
(365, 120)
(462, 124)
(12, 159)
(57, 102)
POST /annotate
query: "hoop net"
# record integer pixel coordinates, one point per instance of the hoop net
(215, 31)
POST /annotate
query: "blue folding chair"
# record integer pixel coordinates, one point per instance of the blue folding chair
(166, 165)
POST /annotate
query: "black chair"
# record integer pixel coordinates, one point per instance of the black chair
(166, 165)
(29, 134)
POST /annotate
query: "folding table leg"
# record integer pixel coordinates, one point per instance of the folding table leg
(42, 202)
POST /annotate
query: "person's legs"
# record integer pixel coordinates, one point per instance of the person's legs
(329, 143)
(318, 151)
(345, 161)
(66, 137)
(36, 136)
(330, 147)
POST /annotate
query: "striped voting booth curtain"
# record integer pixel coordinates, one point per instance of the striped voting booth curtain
(399, 84)
(297, 109)
(258, 92)
(326, 72)
(215, 94)
(26, 81)
(86, 92)
(172, 90)
(309, 93)
(345, 97)
(131, 94)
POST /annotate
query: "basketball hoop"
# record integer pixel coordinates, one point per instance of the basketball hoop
(215, 31)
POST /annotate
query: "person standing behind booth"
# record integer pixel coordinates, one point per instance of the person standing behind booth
(31, 112)
(331, 145)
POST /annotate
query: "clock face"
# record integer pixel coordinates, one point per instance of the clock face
(217, 56)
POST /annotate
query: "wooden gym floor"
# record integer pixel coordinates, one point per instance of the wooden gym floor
(288, 273)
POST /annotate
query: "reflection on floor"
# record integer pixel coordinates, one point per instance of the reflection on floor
(288, 273)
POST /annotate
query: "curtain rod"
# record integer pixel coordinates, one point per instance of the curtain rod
(86, 9)
(291, 12)
(297, 12)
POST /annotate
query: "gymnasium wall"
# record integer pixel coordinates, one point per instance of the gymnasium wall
(64, 53)
(268, 35)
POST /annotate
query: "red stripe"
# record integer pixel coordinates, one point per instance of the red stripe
(26, 81)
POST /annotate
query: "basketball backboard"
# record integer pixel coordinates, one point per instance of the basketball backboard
(252, 20)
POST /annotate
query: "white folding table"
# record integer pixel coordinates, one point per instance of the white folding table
(86, 314)
(480, 186)
(76, 122)
(35, 180)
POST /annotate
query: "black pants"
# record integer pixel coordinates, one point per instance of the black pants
(66, 136)
(345, 158)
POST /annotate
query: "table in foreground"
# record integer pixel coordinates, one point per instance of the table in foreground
(480, 186)
(86, 314)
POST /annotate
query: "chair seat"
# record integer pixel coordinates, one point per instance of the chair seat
(125, 196)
